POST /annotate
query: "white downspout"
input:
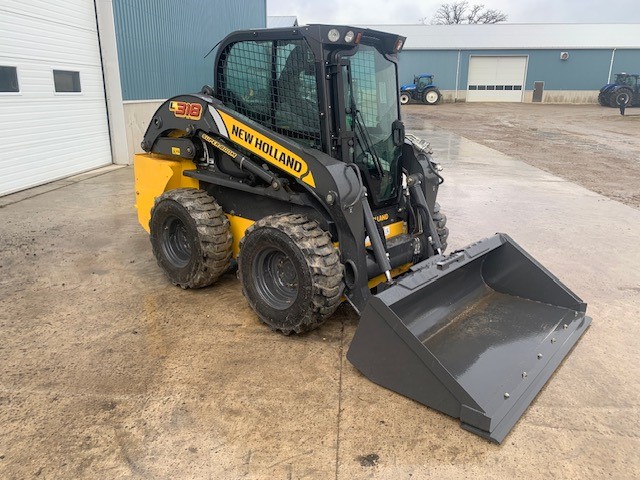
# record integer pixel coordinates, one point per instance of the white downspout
(613, 56)
(457, 77)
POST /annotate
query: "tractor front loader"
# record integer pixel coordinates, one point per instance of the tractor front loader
(296, 165)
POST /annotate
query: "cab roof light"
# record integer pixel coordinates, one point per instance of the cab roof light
(333, 35)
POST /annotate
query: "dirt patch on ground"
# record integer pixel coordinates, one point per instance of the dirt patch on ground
(589, 145)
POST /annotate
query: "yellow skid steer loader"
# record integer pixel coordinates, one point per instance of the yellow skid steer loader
(296, 165)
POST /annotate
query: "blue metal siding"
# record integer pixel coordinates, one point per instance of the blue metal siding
(162, 43)
(584, 70)
(627, 61)
(441, 63)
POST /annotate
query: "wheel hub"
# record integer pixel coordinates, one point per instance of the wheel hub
(432, 96)
(175, 242)
(276, 279)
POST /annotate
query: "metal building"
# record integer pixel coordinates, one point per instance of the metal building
(509, 62)
(77, 77)
(53, 116)
(162, 46)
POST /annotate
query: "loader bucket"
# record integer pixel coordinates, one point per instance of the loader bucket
(476, 334)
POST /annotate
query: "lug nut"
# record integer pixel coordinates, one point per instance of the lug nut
(506, 395)
(524, 374)
(539, 356)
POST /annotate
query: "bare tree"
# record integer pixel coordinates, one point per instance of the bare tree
(460, 12)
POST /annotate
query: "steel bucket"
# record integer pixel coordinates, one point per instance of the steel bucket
(475, 334)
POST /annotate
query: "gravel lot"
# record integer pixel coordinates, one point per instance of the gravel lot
(589, 145)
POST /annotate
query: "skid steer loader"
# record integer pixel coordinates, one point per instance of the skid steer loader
(296, 165)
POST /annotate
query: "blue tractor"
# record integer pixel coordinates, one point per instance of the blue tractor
(421, 90)
(625, 91)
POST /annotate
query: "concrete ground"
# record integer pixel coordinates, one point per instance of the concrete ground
(590, 145)
(108, 371)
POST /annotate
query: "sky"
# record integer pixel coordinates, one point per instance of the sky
(380, 12)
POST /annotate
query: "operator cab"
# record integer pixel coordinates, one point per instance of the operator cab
(325, 87)
(628, 79)
(423, 81)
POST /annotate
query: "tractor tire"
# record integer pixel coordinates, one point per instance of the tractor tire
(620, 97)
(190, 237)
(290, 272)
(431, 97)
(440, 219)
(602, 100)
(404, 98)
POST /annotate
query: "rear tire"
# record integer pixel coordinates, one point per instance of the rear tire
(440, 219)
(404, 98)
(620, 97)
(290, 272)
(190, 237)
(431, 97)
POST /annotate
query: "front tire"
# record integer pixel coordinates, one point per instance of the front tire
(404, 98)
(431, 97)
(290, 272)
(190, 237)
(602, 100)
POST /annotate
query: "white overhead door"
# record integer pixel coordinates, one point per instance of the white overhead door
(53, 118)
(496, 79)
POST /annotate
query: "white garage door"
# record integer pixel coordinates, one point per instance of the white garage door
(496, 79)
(53, 118)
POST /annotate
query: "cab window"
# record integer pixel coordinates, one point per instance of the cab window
(274, 84)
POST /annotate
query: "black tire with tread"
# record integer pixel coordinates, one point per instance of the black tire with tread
(613, 97)
(319, 279)
(440, 219)
(602, 100)
(426, 92)
(208, 235)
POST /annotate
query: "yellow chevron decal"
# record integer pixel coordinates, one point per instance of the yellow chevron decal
(267, 149)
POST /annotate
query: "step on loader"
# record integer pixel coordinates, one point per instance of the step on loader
(296, 165)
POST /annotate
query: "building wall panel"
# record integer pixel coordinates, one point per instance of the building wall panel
(626, 61)
(162, 43)
(438, 62)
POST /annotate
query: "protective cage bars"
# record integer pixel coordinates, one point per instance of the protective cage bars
(274, 84)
